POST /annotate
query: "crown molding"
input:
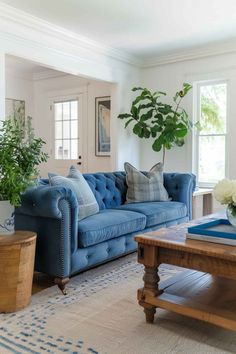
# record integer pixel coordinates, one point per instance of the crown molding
(220, 48)
(26, 23)
(22, 26)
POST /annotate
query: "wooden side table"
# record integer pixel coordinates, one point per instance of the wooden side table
(17, 253)
(206, 194)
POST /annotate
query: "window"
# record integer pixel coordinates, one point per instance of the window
(210, 142)
(66, 130)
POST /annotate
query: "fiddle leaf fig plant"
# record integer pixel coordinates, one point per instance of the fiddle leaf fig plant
(20, 155)
(167, 124)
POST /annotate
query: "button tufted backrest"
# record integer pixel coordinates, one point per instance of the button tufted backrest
(109, 188)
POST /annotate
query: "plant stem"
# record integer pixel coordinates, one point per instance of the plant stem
(163, 155)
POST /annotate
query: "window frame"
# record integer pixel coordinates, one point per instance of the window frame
(62, 99)
(196, 134)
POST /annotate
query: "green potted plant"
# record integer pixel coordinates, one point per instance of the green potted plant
(20, 154)
(167, 124)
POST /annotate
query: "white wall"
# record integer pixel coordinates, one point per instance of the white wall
(2, 86)
(169, 78)
(96, 163)
(20, 88)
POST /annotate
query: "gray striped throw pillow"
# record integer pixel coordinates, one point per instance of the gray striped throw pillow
(145, 187)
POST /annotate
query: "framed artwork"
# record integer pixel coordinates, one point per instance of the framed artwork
(15, 107)
(102, 121)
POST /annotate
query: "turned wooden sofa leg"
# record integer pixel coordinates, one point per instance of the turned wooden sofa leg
(61, 282)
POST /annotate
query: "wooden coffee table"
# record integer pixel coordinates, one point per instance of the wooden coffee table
(206, 292)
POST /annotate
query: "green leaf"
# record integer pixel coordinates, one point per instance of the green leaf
(137, 99)
(157, 145)
(146, 116)
(147, 133)
(145, 106)
(128, 122)
(153, 134)
(176, 96)
(137, 129)
(159, 116)
(141, 133)
(166, 109)
(137, 88)
(179, 142)
(158, 94)
(124, 115)
(180, 133)
(134, 111)
(156, 128)
(168, 145)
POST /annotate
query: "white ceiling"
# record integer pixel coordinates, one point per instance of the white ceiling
(26, 67)
(144, 28)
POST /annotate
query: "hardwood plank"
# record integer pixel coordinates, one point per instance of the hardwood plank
(186, 274)
(177, 304)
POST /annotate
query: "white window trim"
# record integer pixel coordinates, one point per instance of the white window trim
(196, 115)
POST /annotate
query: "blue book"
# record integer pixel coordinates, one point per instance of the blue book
(218, 231)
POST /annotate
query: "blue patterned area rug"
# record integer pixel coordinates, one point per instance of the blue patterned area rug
(100, 314)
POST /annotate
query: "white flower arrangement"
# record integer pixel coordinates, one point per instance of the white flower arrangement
(225, 192)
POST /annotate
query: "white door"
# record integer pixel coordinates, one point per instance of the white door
(67, 134)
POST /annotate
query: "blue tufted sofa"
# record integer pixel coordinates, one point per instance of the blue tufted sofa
(66, 246)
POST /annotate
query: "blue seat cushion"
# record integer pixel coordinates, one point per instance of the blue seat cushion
(157, 212)
(107, 224)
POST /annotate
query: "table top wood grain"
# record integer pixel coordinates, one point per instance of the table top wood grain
(18, 237)
(175, 238)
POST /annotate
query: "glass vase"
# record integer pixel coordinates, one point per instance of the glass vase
(231, 214)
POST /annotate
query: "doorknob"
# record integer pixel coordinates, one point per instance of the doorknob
(79, 163)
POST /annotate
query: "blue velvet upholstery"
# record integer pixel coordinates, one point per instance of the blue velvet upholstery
(66, 246)
(108, 188)
(158, 212)
(85, 258)
(103, 226)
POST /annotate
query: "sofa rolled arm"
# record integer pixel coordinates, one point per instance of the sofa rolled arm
(44, 201)
(180, 187)
(51, 212)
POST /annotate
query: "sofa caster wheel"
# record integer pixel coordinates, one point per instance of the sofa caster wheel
(61, 283)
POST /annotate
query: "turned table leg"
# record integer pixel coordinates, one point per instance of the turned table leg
(148, 256)
(151, 280)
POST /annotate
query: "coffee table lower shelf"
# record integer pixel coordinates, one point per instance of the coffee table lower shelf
(198, 295)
